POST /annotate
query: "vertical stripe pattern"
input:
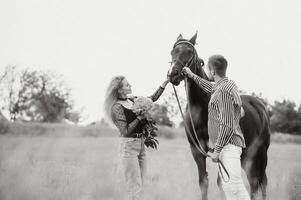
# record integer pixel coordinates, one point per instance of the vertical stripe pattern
(224, 110)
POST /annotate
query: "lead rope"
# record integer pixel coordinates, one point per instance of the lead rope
(198, 144)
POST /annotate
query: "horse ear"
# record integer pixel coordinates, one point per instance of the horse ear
(193, 39)
(180, 37)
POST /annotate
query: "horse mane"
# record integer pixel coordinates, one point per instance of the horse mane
(199, 69)
(197, 94)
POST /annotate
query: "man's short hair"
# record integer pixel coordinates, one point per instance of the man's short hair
(219, 64)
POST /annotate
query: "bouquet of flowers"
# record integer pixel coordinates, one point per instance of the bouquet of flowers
(142, 106)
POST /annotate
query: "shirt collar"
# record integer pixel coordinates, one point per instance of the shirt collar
(221, 81)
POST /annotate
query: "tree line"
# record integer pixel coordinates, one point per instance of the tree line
(32, 95)
(43, 96)
(285, 115)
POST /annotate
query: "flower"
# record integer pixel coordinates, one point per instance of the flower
(142, 106)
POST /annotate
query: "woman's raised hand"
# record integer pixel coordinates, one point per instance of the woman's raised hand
(165, 82)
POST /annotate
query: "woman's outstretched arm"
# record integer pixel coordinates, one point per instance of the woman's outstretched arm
(159, 91)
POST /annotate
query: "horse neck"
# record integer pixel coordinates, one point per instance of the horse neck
(196, 95)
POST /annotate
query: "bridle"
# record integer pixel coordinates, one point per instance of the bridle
(188, 64)
(194, 57)
(196, 142)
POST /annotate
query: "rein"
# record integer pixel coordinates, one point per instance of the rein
(195, 141)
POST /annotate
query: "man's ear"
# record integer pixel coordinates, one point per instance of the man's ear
(211, 70)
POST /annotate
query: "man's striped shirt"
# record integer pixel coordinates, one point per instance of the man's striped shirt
(224, 112)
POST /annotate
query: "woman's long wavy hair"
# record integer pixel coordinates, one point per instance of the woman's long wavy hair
(112, 95)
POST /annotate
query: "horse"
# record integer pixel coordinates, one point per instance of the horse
(255, 123)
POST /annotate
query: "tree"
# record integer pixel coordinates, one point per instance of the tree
(39, 96)
(159, 114)
(285, 118)
(8, 88)
(171, 104)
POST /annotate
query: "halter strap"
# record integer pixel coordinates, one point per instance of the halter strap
(194, 57)
(183, 42)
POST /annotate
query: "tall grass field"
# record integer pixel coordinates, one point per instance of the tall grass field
(63, 162)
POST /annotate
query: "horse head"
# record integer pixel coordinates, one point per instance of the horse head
(183, 55)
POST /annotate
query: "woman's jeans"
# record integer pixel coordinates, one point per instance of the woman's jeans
(133, 160)
(234, 188)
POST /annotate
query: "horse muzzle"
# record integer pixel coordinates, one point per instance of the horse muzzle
(175, 75)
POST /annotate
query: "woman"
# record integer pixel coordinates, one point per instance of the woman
(132, 150)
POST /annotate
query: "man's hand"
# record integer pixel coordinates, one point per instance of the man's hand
(186, 71)
(214, 156)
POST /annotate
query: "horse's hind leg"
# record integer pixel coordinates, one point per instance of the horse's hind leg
(255, 171)
(249, 164)
(252, 175)
(263, 180)
(263, 184)
(203, 175)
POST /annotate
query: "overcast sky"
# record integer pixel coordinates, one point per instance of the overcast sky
(90, 41)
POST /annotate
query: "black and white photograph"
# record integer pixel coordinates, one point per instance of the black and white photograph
(150, 100)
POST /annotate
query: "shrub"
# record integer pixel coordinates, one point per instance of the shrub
(56, 129)
(166, 132)
(4, 127)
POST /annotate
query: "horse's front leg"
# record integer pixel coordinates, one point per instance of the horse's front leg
(200, 160)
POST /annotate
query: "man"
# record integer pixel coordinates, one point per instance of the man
(224, 112)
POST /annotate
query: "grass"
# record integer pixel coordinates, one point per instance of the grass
(286, 138)
(100, 130)
(83, 168)
(59, 130)
(63, 162)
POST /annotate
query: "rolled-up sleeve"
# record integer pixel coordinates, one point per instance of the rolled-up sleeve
(202, 83)
(157, 94)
